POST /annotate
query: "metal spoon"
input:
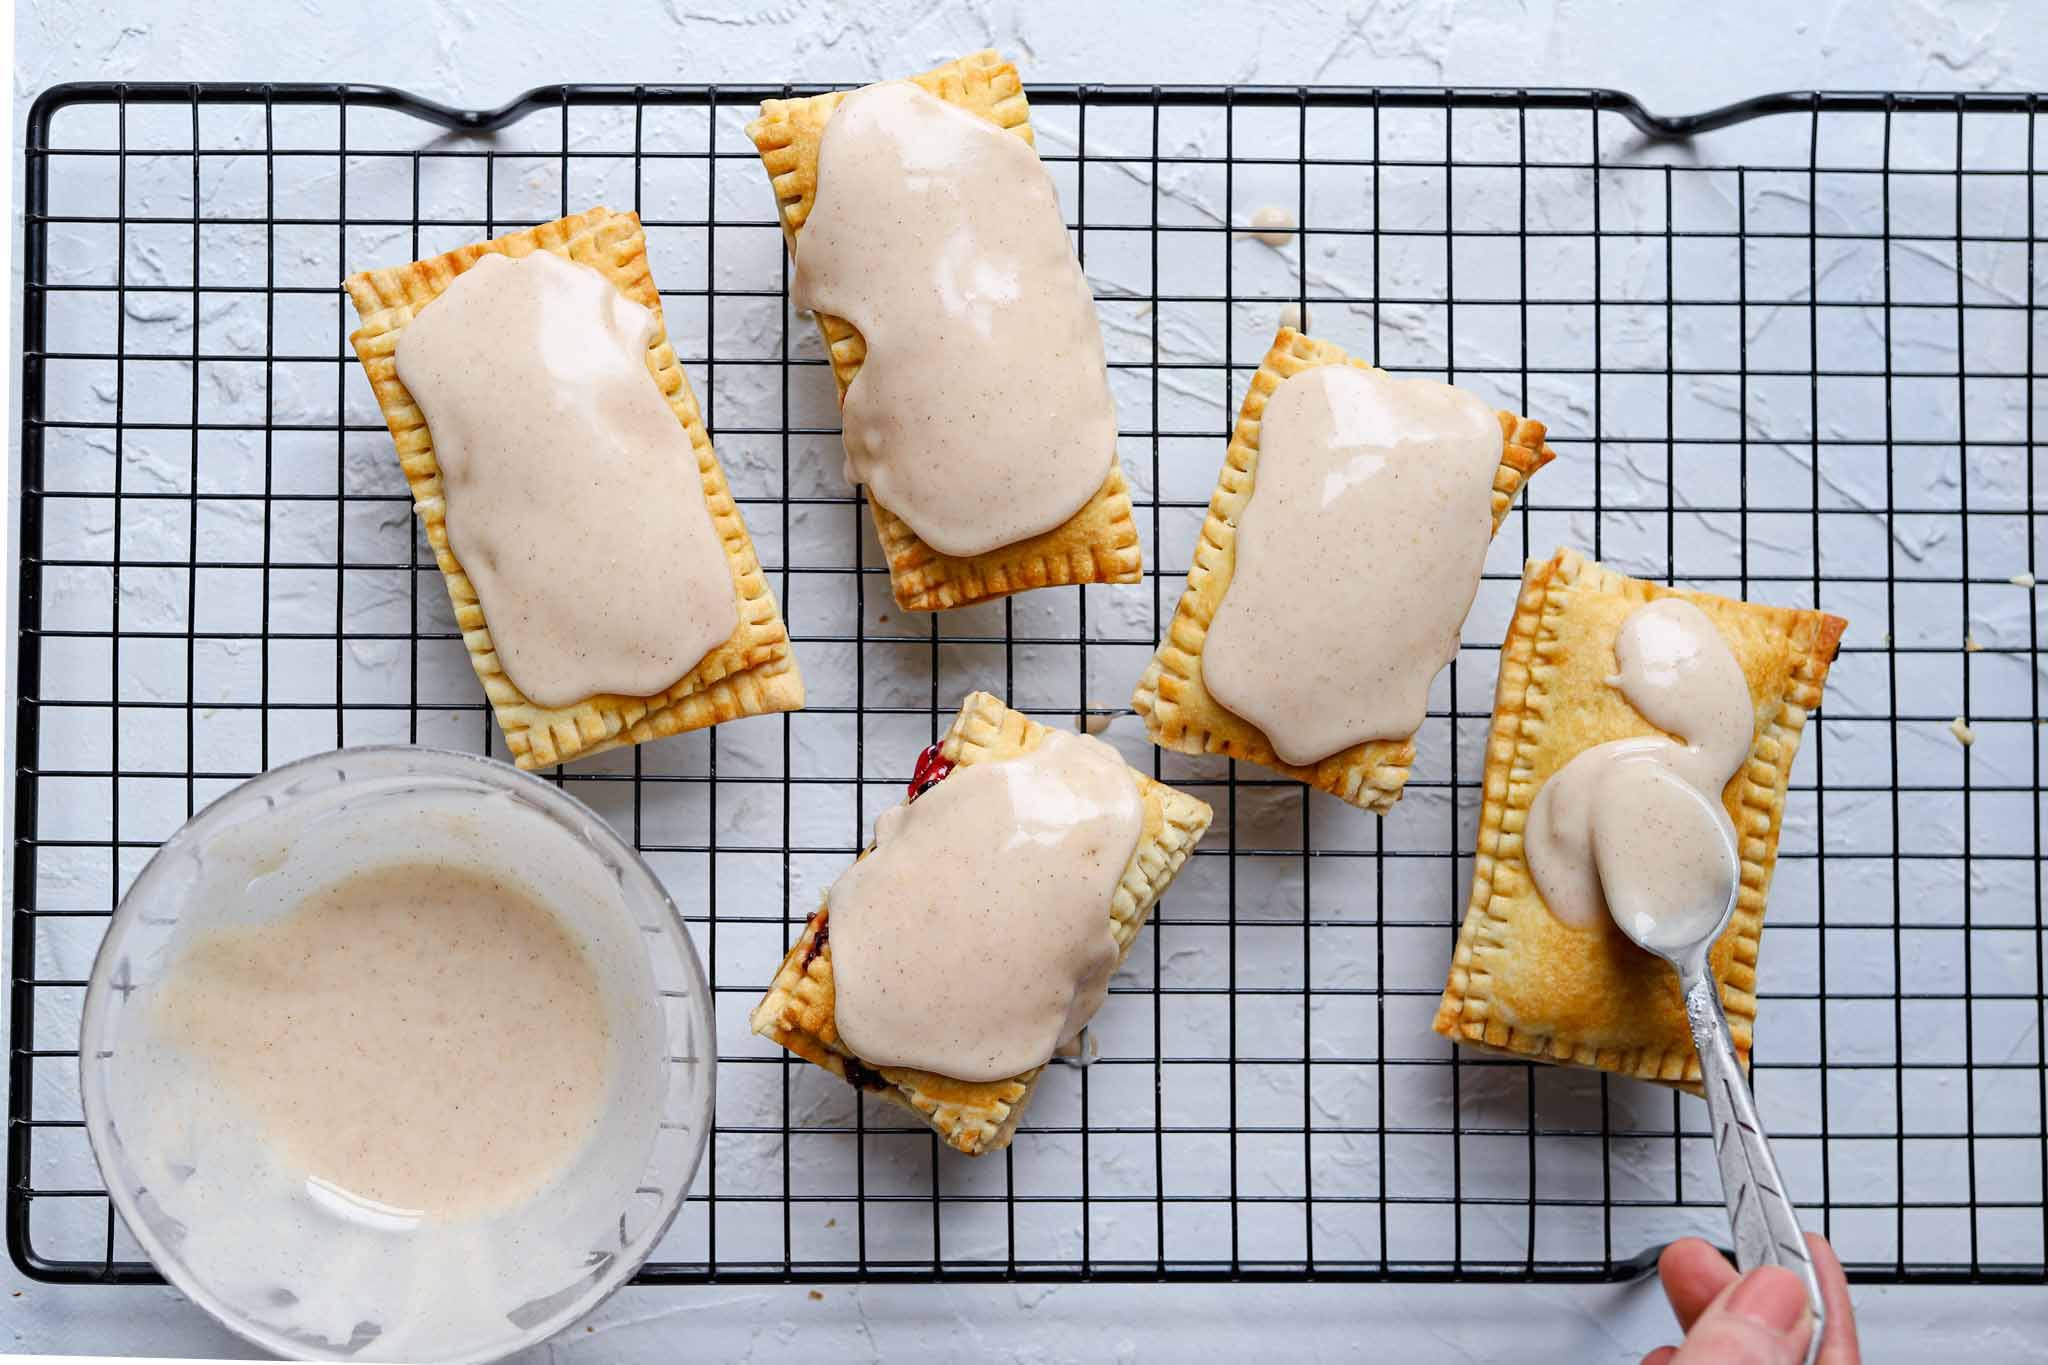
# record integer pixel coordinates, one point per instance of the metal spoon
(1765, 1225)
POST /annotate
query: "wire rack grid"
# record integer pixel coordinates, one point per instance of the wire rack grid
(1792, 360)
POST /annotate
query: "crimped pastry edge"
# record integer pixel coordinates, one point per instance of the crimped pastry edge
(1179, 713)
(972, 1117)
(1099, 543)
(752, 673)
(1464, 1014)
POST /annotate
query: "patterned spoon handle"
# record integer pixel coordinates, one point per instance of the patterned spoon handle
(1765, 1224)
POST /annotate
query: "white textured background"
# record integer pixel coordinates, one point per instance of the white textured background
(1675, 58)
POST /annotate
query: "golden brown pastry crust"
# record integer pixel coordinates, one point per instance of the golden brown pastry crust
(751, 674)
(1525, 983)
(973, 1116)
(1178, 710)
(1099, 543)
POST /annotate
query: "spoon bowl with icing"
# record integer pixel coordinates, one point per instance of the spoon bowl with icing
(397, 1054)
(1666, 861)
(1669, 871)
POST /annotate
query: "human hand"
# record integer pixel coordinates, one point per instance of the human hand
(1754, 1319)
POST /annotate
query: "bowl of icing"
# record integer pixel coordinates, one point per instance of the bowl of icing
(397, 1054)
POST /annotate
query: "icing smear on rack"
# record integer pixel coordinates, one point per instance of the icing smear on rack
(974, 938)
(1358, 557)
(1603, 836)
(573, 497)
(981, 414)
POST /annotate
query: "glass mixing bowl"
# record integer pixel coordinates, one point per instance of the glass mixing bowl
(315, 1278)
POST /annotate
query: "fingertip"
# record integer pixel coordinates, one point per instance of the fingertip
(1694, 1259)
(1688, 1249)
(1672, 1251)
(1838, 1345)
(1770, 1296)
(1824, 1259)
(1694, 1273)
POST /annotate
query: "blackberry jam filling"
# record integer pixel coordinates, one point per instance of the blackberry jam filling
(818, 942)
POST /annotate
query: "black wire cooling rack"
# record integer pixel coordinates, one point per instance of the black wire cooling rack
(1787, 350)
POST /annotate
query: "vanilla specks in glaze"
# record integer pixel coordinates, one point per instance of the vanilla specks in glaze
(1602, 835)
(1358, 556)
(981, 414)
(975, 937)
(573, 496)
(424, 1038)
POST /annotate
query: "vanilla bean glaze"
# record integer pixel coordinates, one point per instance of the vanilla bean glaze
(981, 414)
(574, 501)
(974, 938)
(1600, 822)
(422, 1038)
(1358, 556)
